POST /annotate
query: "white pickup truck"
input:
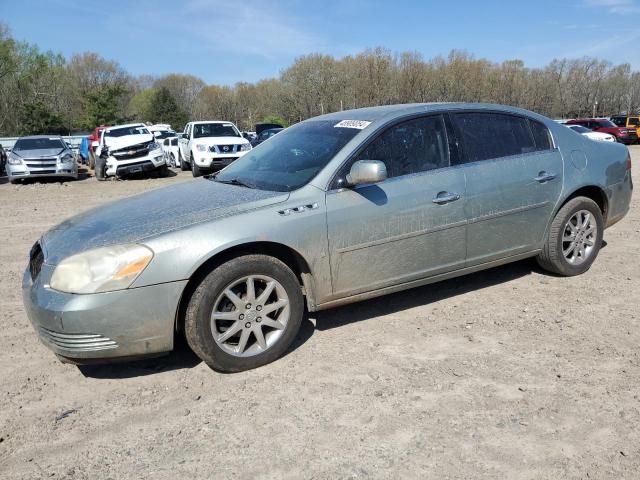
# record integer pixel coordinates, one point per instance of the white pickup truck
(210, 145)
(128, 149)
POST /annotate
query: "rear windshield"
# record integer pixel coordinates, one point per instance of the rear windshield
(165, 134)
(605, 124)
(124, 131)
(579, 129)
(203, 130)
(38, 144)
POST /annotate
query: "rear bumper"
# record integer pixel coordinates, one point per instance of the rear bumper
(126, 323)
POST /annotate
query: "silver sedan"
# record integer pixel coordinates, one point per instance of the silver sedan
(41, 156)
(333, 210)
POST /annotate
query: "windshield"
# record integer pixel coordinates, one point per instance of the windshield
(124, 131)
(579, 129)
(38, 144)
(165, 134)
(202, 130)
(606, 124)
(290, 159)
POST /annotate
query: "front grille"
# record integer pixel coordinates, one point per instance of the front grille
(41, 163)
(78, 342)
(135, 151)
(229, 149)
(36, 259)
(42, 172)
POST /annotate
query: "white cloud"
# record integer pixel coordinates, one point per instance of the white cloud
(616, 6)
(248, 27)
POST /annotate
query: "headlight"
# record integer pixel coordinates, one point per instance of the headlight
(101, 270)
(67, 158)
(245, 148)
(153, 146)
(201, 148)
(13, 159)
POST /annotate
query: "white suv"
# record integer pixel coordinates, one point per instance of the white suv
(127, 149)
(210, 145)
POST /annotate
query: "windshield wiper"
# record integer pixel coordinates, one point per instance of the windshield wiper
(234, 181)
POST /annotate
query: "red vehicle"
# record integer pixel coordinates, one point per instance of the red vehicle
(94, 140)
(622, 134)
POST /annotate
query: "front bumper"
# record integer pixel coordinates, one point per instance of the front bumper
(148, 163)
(207, 160)
(15, 172)
(125, 323)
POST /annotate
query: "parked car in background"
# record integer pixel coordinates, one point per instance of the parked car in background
(128, 149)
(332, 210)
(599, 136)
(261, 127)
(170, 150)
(622, 135)
(94, 141)
(266, 135)
(628, 121)
(210, 145)
(3, 159)
(41, 156)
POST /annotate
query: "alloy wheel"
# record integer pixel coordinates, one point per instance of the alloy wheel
(250, 315)
(579, 237)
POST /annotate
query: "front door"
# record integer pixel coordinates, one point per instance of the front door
(408, 227)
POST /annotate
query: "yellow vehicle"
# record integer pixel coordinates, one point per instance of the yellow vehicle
(630, 121)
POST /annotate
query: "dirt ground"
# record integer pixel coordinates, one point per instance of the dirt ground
(509, 373)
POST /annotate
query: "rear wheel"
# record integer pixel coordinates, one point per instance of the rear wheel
(100, 165)
(183, 164)
(244, 314)
(172, 160)
(574, 238)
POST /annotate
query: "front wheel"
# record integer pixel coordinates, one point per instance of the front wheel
(574, 238)
(244, 314)
(196, 171)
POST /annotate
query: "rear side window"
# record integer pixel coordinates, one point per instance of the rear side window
(541, 136)
(494, 135)
(410, 147)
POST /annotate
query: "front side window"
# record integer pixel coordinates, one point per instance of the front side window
(203, 130)
(290, 159)
(633, 122)
(410, 147)
(494, 135)
(38, 144)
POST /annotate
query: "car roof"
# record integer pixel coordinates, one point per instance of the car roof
(385, 112)
(34, 137)
(211, 121)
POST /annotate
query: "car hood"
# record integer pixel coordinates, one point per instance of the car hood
(221, 140)
(40, 152)
(150, 214)
(116, 143)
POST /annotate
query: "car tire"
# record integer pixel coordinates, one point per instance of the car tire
(172, 160)
(196, 171)
(574, 238)
(243, 350)
(100, 164)
(92, 160)
(183, 165)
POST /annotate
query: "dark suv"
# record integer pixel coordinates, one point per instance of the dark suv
(622, 134)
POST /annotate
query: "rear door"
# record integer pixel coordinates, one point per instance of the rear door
(408, 227)
(514, 179)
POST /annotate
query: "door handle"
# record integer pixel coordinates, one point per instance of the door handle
(544, 177)
(445, 197)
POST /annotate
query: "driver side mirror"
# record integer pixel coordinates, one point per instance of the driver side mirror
(367, 171)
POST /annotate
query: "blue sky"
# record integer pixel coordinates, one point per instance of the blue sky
(245, 40)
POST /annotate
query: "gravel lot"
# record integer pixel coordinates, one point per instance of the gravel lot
(509, 373)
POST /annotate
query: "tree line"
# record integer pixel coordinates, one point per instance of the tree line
(43, 92)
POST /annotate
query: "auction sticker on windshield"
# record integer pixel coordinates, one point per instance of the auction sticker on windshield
(359, 124)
